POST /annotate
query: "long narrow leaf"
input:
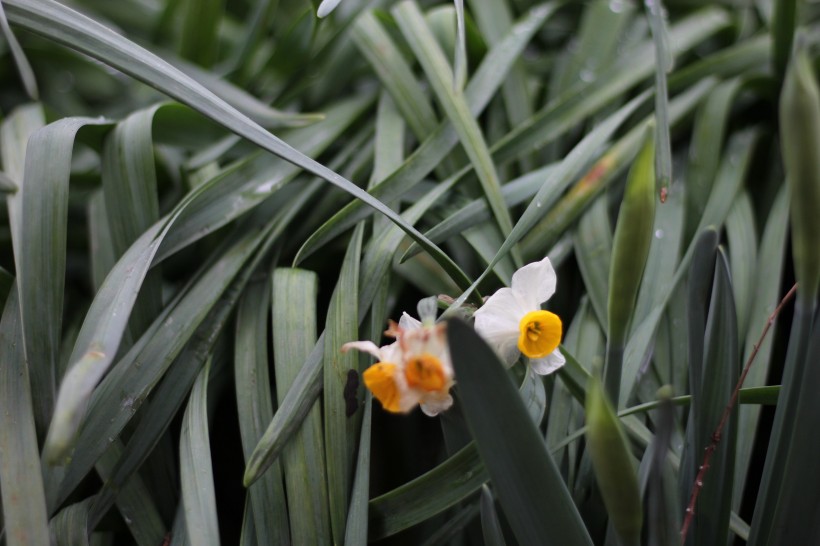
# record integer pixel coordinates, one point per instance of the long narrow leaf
(530, 489)
(24, 505)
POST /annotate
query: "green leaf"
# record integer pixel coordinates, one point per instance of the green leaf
(42, 232)
(70, 526)
(24, 505)
(131, 200)
(663, 65)
(701, 277)
(630, 248)
(439, 74)
(663, 512)
(566, 171)
(800, 139)
(721, 369)
(294, 335)
(730, 177)
(126, 386)
(23, 66)
(603, 172)
(530, 489)
(196, 468)
(490, 526)
(448, 483)
(582, 99)
(200, 24)
(59, 23)
(452, 481)
(475, 212)
(134, 500)
(339, 426)
(742, 241)
(267, 502)
(707, 147)
(768, 274)
(593, 250)
(494, 20)
(356, 529)
(614, 467)
(384, 57)
(481, 88)
(791, 519)
(784, 22)
(447, 532)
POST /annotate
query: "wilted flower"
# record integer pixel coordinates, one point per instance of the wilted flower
(415, 369)
(512, 322)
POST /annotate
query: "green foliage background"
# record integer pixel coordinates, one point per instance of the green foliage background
(202, 200)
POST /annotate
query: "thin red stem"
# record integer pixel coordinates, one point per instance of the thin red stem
(707, 457)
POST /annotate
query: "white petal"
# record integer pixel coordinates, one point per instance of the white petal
(364, 346)
(497, 322)
(435, 403)
(548, 364)
(408, 323)
(535, 281)
(409, 398)
(326, 7)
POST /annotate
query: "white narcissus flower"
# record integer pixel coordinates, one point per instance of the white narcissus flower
(512, 322)
(415, 369)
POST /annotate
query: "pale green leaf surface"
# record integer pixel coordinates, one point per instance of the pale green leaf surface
(70, 526)
(23, 498)
(706, 148)
(180, 376)
(439, 74)
(480, 89)
(593, 249)
(582, 99)
(42, 232)
(514, 193)
(561, 177)
(102, 331)
(267, 502)
(196, 468)
(742, 241)
(66, 26)
(390, 66)
(303, 461)
(729, 180)
(339, 426)
(124, 389)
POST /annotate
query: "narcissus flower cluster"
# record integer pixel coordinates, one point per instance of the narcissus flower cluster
(416, 368)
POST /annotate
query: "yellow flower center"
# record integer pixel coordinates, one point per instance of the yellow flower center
(540, 333)
(380, 378)
(425, 372)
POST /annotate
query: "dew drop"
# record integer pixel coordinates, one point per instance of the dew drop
(658, 234)
(587, 75)
(616, 6)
